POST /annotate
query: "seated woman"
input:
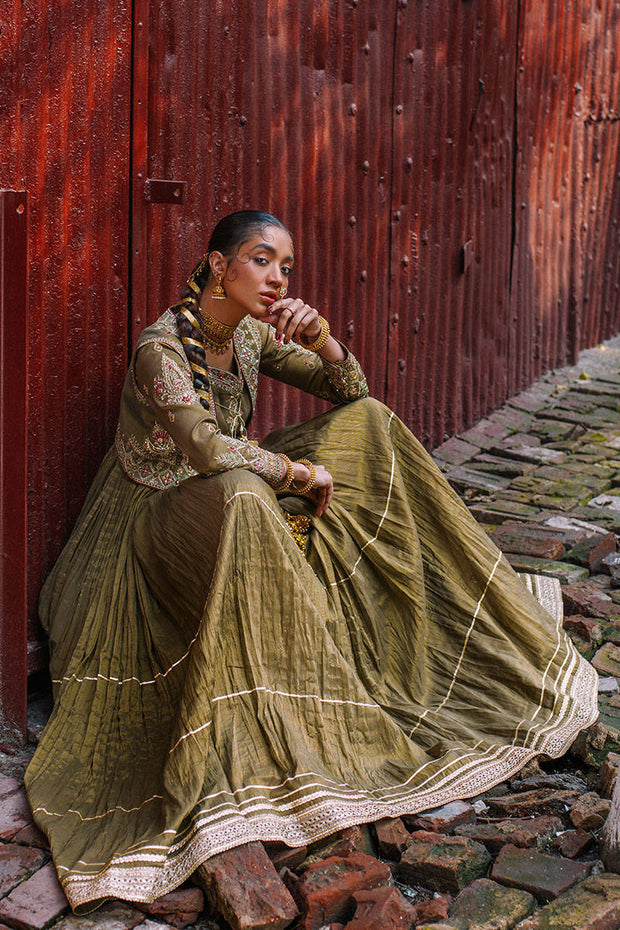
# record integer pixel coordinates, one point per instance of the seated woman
(275, 642)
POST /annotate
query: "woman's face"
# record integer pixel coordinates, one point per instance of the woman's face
(259, 269)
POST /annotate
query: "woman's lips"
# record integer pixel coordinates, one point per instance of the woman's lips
(269, 298)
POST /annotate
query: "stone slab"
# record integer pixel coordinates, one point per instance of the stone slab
(35, 902)
(541, 801)
(455, 451)
(16, 862)
(525, 539)
(544, 876)
(593, 904)
(607, 660)
(487, 904)
(563, 571)
(14, 814)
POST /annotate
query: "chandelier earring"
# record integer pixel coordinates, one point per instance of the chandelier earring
(282, 291)
(218, 292)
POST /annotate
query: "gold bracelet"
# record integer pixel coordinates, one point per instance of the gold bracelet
(311, 482)
(288, 478)
(321, 339)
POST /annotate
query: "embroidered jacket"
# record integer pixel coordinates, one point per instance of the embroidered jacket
(164, 433)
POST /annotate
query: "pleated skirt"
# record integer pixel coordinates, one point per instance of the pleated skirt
(214, 685)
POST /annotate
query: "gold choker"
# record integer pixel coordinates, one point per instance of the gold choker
(215, 334)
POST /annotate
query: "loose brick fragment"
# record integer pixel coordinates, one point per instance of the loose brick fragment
(529, 539)
(442, 819)
(8, 785)
(351, 839)
(286, 856)
(15, 863)
(584, 598)
(35, 902)
(244, 885)
(586, 628)
(488, 904)
(607, 660)
(543, 801)
(572, 843)
(523, 832)
(543, 876)
(593, 904)
(179, 909)
(325, 892)
(591, 552)
(381, 909)
(608, 774)
(442, 863)
(435, 909)
(589, 812)
(392, 837)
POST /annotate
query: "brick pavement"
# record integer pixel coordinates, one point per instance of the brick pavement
(543, 475)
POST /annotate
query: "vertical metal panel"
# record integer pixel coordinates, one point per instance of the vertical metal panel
(64, 135)
(283, 107)
(453, 150)
(13, 456)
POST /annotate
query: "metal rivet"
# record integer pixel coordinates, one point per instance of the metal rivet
(366, 49)
(401, 364)
(397, 216)
(243, 120)
(395, 319)
(366, 167)
(409, 161)
(364, 276)
(399, 109)
(20, 208)
(410, 57)
(404, 260)
(353, 109)
(352, 221)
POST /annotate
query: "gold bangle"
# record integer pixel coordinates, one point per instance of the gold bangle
(311, 482)
(321, 339)
(288, 478)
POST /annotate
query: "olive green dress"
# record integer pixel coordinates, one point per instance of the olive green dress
(215, 684)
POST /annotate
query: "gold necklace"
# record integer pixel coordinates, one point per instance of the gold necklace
(215, 334)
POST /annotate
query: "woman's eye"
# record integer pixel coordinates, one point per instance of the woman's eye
(287, 271)
(260, 260)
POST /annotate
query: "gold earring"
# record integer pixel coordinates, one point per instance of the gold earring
(218, 291)
(283, 291)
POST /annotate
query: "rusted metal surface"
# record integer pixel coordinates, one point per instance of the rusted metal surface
(64, 136)
(13, 456)
(284, 108)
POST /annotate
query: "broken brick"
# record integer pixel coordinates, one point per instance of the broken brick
(607, 660)
(381, 909)
(608, 774)
(586, 599)
(245, 887)
(591, 552)
(593, 904)
(179, 908)
(325, 892)
(543, 876)
(589, 812)
(572, 843)
(542, 801)
(392, 837)
(442, 863)
(14, 815)
(442, 819)
(525, 539)
(523, 832)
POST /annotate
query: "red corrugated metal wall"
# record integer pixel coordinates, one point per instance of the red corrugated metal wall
(64, 137)
(449, 170)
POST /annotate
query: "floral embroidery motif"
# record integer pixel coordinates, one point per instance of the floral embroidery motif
(346, 378)
(156, 462)
(268, 465)
(174, 388)
(248, 345)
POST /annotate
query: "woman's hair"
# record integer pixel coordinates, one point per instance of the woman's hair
(230, 233)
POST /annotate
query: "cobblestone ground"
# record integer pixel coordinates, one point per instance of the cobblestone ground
(543, 475)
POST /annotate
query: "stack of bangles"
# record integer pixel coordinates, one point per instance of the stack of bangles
(288, 478)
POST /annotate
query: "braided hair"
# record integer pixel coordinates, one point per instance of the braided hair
(227, 236)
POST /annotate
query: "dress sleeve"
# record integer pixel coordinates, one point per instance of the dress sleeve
(165, 381)
(338, 382)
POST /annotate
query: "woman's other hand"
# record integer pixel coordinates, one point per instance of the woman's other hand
(323, 489)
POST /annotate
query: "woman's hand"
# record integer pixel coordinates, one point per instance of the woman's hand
(323, 489)
(293, 319)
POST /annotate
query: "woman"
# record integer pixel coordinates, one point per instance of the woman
(275, 642)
